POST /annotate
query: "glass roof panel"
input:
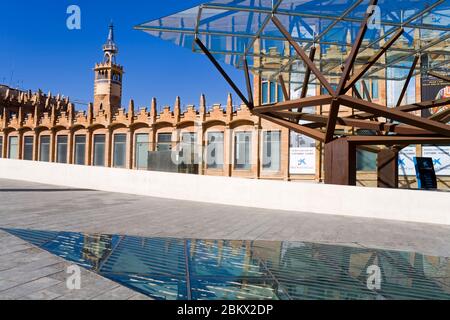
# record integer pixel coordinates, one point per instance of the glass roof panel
(229, 29)
(198, 269)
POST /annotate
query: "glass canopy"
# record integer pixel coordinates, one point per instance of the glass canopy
(234, 29)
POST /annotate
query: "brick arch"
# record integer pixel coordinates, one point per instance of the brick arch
(162, 124)
(117, 125)
(25, 129)
(58, 128)
(77, 127)
(185, 124)
(96, 126)
(212, 123)
(41, 128)
(241, 122)
(139, 125)
(9, 130)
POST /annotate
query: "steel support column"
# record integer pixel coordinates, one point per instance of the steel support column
(387, 168)
(340, 162)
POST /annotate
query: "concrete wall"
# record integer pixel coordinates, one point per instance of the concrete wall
(404, 205)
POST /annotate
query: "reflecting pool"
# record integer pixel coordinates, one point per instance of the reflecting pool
(192, 269)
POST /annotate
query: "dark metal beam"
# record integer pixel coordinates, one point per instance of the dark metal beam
(222, 72)
(356, 92)
(408, 79)
(372, 149)
(292, 104)
(412, 107)
(394, 140)
(286, 94)
(312, 133)
(249, 84)
(302, 55)
(446, 119)
(360, 73)
(424, 105)
(395, 114)
(355, 49)
(439, 76)
(407, 23)
(366, 91)
(362, 124)
(440, 116)
(304, 92)
(334, 107)
(415, 52)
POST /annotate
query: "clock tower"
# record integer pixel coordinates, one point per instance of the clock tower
(108, 79)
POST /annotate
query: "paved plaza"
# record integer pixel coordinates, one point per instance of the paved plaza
(27, 272)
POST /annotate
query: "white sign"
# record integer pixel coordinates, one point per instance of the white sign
(406, 161)
(441, 159)
(302, 160)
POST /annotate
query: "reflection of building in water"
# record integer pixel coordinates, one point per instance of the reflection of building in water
(96, 248)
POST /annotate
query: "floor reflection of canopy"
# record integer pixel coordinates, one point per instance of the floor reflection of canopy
(168, 268)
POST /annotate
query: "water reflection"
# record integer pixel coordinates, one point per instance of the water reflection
(168, 268)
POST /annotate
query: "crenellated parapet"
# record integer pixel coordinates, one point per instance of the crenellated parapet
(27, 109)
(20, 109)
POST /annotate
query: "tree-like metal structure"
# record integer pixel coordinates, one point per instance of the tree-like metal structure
(395, 127)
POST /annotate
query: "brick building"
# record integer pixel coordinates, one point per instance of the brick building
(223, 140)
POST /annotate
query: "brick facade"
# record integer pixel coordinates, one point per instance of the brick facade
(28, 118)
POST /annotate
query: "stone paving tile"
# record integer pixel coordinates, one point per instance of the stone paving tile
(7, 284)
(119, 293)
(41, 295)
(20, 275)
(28, 288)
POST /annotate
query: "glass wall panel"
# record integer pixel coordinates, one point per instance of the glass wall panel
(242, 150)
(61, 149)
(273, 92)
(394, 88)
(375, 86)
(44, 149)
(187, 152)
(141, 150)
(13, 148)
(214, 150)
(99, 150)
(366, 161)
(265, 93)
(280, 95)
(120, 150)
(271, 150)
(80, 150)
(28, 148)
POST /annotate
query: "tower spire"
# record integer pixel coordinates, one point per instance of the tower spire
(110, 48)
(108, 78)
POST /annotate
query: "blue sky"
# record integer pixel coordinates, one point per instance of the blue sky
(38, 51)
